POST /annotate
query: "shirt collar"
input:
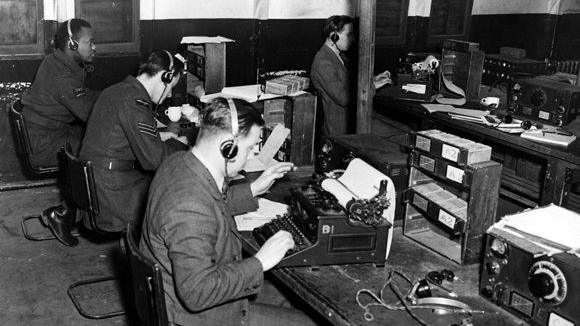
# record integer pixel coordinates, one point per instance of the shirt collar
(215, 173)
(335, 51)
(69, 62)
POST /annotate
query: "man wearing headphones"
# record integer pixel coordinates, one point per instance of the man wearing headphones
(58, 103)
(123, 143)
(190, 231)
(331, 77)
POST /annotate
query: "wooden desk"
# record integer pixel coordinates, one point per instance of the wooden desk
(533, 173)
(331, 290)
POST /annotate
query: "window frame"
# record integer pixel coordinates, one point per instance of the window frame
(435, 39)
(33, 49)
(402, 36)
(118, 48)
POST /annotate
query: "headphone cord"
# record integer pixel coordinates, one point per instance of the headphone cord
(159, 100)
(227, 179)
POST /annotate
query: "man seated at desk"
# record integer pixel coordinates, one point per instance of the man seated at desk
(58, 103)
(57, 106)
(190, 231)
(123, 143)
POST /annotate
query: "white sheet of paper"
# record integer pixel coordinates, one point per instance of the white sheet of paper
(455, 90)
(360, 180)
(250, 93)
(265, 158)
(415, 88)
(267, 210)
(432, 107)
(553, 223)
(204, 39)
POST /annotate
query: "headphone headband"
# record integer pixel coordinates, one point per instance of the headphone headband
(72, 44)
(170, 60)
(233, 117)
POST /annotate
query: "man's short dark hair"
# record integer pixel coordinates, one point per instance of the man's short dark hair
(61, 39)
(336, 24)
(216, 117)
(158, 61)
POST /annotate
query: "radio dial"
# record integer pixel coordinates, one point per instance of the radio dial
(561, 109)
(547, 282)
(493, 268)
(538, 97)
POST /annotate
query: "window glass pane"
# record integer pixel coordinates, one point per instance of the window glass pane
(18, 22)
(447, 17)
(112, 21)
(388, 18)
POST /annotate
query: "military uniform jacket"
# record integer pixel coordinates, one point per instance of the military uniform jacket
(56, 99)
(189, 230)
(331, 79)
(121, 131)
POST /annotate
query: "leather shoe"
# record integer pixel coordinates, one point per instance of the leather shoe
(59, 221)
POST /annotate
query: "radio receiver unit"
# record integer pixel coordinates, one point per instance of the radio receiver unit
(545, 100)
(519, 273)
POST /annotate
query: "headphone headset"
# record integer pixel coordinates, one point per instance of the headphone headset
(229, 148)
(167, 76)
(72, 43)
(334, 37)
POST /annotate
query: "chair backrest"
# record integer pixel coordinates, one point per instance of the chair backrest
(23, 146)
(79, 186)
(147, 282)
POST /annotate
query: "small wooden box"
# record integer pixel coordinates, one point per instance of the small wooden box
(296, 113)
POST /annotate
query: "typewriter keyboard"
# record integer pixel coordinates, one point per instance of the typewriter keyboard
(284, 222)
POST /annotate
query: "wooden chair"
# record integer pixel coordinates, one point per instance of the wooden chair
(147, 282)
(80, 188)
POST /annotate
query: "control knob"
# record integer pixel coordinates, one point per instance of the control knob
(547, 282)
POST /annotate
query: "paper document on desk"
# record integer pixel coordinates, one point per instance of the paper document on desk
(415, 88)
(552, 227)
(452, 88)
(362, 181)
(267, 211)
(265, 158)
(204, 39)
(250, 93)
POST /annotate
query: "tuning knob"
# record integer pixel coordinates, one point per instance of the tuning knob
(492, 268)
(541, 285)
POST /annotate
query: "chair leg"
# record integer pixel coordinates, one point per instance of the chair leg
(79, 306)
(30, 236)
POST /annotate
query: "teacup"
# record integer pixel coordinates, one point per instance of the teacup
(490, 101)
(174, 113)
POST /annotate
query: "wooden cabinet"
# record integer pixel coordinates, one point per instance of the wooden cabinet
(297, 113)
(206, 66)
(450, 203)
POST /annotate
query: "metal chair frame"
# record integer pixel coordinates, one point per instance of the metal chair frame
(80, 188)
(147, 282)
(24, 151)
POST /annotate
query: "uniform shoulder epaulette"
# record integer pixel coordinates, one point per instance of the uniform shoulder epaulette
(145, 103)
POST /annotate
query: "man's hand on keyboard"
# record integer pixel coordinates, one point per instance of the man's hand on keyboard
(274, 249)
(266, 180)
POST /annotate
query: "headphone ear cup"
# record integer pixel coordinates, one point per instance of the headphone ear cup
(334, 37)
(229, 149)
(72, 44)
(167, 77)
